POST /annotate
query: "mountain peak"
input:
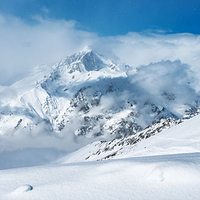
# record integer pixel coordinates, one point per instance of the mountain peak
(86, 49)
(86, 60)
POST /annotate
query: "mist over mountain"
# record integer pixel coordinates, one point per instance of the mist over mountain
(135, 120)
(86, 97)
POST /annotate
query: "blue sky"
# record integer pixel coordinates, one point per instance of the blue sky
(113, 17)
(37, 32)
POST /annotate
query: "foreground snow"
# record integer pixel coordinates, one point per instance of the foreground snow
(155, 177)
(147, 175)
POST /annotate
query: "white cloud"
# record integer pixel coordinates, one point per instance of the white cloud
(45, 10)
(138, 49)
(166, 77)
(22, 46)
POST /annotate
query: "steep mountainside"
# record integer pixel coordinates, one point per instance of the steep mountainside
(169, 137)
(88, 95)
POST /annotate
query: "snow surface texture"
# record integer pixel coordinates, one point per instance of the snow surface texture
(169, 177)
(157, 177)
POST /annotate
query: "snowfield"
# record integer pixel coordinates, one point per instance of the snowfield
(179, 139)
(155, 177)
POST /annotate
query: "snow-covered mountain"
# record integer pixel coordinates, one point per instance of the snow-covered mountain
(148, 116)
(166, 137)
(89, 96)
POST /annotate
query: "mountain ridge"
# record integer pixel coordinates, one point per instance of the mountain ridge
(86, 95)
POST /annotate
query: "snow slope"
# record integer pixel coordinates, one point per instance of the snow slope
(149, 174)
(157, 177)
(180, 138)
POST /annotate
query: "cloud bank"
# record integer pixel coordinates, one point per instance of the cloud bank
(46, 41)
(23, 46)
